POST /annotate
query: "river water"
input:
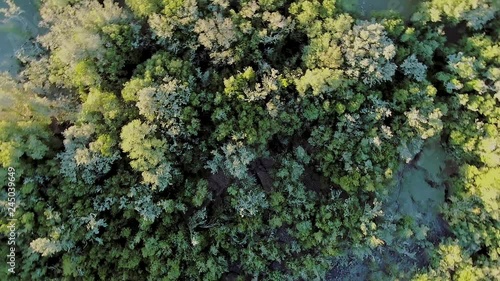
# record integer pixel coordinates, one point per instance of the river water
(16, 30)
(365, 8)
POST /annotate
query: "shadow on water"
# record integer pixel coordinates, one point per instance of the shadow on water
(16, 30)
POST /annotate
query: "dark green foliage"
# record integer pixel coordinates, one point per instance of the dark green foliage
(210, 140)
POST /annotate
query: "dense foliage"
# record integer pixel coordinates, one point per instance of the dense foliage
(230, 140)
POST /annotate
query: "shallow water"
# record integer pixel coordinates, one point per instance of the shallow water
(418, 192)
(366, 8)
(15, 32)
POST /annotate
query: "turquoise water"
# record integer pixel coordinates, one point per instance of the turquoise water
(15, 32)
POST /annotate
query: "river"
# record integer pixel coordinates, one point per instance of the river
(16, 30)
(366, 7)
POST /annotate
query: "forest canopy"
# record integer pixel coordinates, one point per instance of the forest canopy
(254, 140)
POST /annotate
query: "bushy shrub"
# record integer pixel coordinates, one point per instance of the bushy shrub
(369, 52)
